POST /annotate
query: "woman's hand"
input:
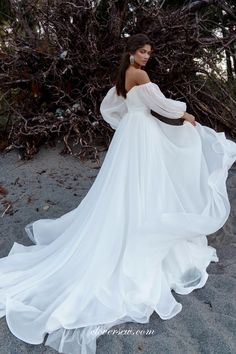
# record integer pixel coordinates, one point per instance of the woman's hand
(189, 118)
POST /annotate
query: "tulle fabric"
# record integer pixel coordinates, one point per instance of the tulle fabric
(114, 107)
(139, 233)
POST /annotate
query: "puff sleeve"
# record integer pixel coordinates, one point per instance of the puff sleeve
(156, 101)
(113, 107)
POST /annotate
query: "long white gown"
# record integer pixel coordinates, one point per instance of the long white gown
(139, 233)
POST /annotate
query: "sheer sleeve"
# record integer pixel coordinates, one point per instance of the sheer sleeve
(113, 107)
(156, 101)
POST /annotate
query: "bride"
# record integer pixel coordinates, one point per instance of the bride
(139, 233)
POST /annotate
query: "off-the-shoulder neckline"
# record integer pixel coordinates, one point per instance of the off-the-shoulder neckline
(147, 83)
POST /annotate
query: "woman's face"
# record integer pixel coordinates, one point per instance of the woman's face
(142, 55)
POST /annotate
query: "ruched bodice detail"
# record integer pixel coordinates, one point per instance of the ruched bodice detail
(137, 109)
(133, 104)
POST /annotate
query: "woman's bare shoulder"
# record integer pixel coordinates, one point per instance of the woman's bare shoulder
(142, 77)
(136, 77)
(139, 76)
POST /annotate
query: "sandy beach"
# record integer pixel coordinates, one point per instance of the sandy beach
(50, 185)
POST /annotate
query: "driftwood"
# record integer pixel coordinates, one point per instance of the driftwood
(57, 62)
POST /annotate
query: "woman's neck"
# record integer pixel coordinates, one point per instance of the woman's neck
(135, 65)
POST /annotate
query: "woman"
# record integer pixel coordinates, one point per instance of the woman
(140, 231)
(139, 49)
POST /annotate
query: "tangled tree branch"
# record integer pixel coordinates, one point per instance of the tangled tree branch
(57, 62)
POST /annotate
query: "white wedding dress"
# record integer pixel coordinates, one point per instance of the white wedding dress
(138, 235)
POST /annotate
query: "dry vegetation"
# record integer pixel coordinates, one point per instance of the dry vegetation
(57, 62)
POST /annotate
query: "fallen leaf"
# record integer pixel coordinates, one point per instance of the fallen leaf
(3, 191)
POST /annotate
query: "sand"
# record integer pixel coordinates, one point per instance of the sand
(52, 184)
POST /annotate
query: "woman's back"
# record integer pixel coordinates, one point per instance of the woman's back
(134, 77)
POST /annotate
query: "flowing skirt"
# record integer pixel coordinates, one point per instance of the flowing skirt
(139, 233)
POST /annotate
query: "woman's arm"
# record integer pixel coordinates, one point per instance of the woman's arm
(113, 108)
(156, 100)
(189, 118)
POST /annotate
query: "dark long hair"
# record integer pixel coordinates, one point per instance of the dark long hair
(134, 42)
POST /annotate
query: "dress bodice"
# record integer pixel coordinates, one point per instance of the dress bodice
(134, 102)
(141, 98)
